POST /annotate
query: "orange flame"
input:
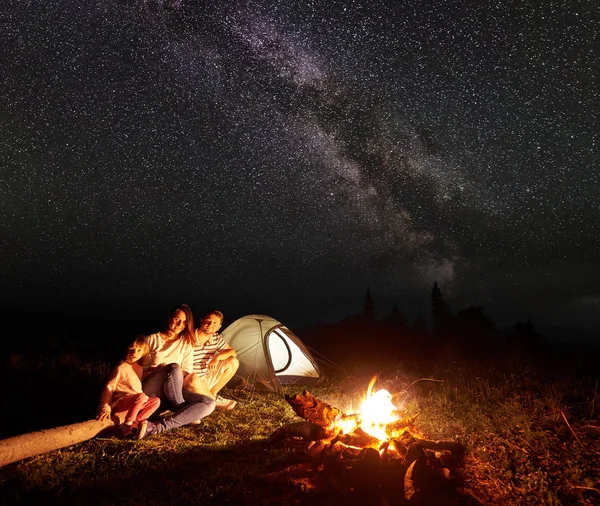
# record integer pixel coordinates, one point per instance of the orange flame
(376, 412)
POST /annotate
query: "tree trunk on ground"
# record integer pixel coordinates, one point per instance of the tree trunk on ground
(28, 445)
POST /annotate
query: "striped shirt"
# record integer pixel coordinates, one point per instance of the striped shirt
(204, 353)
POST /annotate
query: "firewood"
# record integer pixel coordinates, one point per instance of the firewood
(414, 452)
(316, 450)
(366, 470)
(365, 475)
(415, 479)
(344, 451)
(456, 449)
(352, 416)
(393, 428)
(405, 438)
(313, 410)
(304, 430)
(335, 470)
(402, 443)
(357, 437)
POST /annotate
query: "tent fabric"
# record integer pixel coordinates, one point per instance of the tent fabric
(270, 354)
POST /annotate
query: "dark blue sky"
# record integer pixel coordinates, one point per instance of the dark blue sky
(280, 157)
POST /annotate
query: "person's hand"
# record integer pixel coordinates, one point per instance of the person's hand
(213, 364)
(104, 414)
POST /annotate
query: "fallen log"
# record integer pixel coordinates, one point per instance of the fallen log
(21, 447)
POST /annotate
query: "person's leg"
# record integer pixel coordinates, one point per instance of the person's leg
(165, 383)
(124, 405)
(226, 370)
(193, 397)
(137, 401)
(187, 414)
(130, 405)
(153, 384)
(173, 385)
(196, 384)
(149, 407)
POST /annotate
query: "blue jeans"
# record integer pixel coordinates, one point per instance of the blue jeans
(189, 413)
(166, 383)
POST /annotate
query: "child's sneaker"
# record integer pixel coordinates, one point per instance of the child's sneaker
(126, 430)
(142, 430)
(225, 404)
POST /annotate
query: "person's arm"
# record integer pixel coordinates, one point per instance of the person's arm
(151, 359)
(224, 352)
(106, 396)
(187, 360)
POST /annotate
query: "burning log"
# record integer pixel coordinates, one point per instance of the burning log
(316, 449)
(344, 451)
(320, 450)
(335, 471)
(365, 475)
(356, 473)
(304, 430)
(441, 446)
(407, 446)
(372, 456)
(415, 478)
(358, 437)
(312, 409)
(401, 424)
(426, 484)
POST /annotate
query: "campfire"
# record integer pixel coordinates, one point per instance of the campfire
(375, 453)
(376, 416)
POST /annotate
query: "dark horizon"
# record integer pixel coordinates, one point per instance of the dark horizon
(150, 315)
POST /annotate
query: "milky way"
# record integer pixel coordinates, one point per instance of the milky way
(282, 156)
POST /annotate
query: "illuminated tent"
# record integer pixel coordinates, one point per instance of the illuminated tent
(270, 355)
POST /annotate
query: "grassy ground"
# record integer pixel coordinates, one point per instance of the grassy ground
(532, 434)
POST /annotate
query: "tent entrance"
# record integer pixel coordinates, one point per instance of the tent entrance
(290, 363)
(270, 354)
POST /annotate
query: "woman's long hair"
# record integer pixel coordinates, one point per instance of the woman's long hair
(187, 334)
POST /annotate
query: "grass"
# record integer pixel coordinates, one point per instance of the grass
(532, 434)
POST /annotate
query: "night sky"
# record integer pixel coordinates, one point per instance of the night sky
(281, 157)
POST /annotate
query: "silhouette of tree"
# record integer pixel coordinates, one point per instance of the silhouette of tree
(475, 332)
(525, 336)
(395, 318)
(441, 319)
(526, 330)
(368, 311)
(474, 317)
(420, 328)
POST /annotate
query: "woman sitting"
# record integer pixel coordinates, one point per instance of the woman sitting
(170, 360)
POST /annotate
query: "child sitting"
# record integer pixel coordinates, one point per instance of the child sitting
(123, 392)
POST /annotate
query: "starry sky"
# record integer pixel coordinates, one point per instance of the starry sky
(282, 156)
